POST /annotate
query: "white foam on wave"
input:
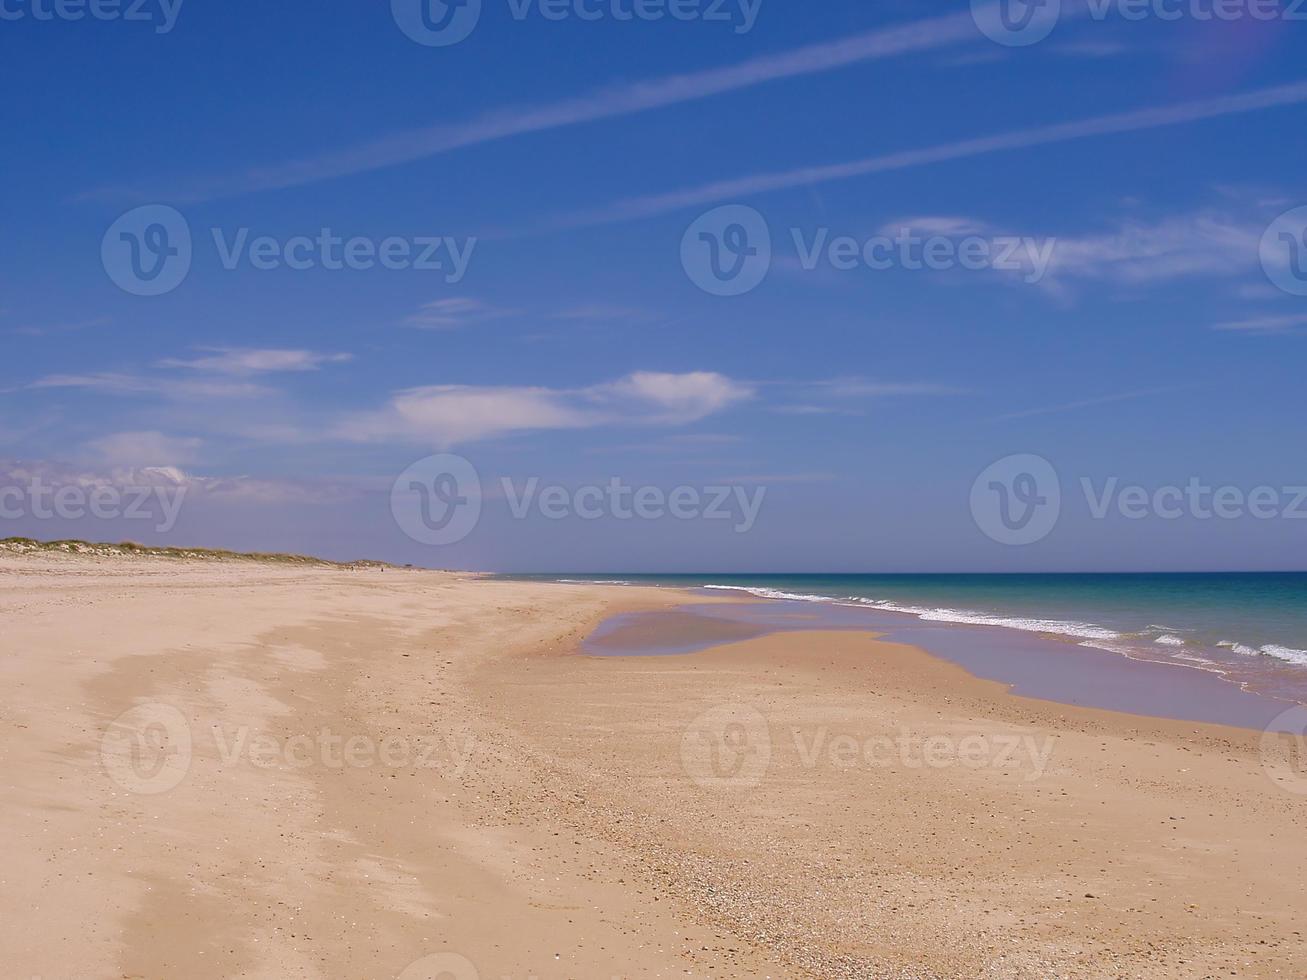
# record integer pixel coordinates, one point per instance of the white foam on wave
(1086, 631)
(1089, 634)
(1287, 654)
(772, 593)
(942, 614)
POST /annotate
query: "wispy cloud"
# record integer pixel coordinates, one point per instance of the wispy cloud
(1083, 403)
(145, 449)
(946, 226)
(613, 101)
(48, 329)
(862, 388)
(1124, 122)
(449, 415)
(845, 396)
(1091, 49)
(1293, 323)
(454, 312)
(242, 361)
(111, 383)
(603, 312)
(1205, 243)
(240, 488)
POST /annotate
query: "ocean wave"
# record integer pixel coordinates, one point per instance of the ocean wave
(1287, 654)
(773, 593)
(941, 614)
(1089, 634)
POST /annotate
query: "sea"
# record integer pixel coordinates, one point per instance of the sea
(1249, 628)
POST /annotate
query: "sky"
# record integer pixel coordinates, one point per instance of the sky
(660, 286)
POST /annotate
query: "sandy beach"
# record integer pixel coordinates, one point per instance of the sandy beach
(245, 769)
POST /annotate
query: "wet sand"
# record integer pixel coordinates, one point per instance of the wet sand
(1028, 664)
(231, 769)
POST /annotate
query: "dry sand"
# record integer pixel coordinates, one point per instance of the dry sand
(364, 773)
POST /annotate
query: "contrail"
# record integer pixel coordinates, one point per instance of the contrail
(1123, 122)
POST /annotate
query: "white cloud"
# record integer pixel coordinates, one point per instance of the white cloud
(241, 361)
(450, 415)
(946, 226)
(603, 312)
(244, 488)
(860, 388)
(1091, 49)
(675, 398)
(1201, 244)
(144, 449)
(457, 311)
(130, 384)
(1265, 324)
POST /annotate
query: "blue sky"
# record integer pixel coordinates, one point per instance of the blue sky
(564, 160)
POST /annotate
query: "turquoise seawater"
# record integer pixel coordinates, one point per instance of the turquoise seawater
(1251, 627)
